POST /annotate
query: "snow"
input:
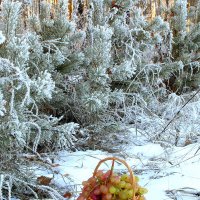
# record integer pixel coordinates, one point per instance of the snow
(161, 170)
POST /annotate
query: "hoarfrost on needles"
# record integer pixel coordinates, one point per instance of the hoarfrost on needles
(2, 104)
(44, 85)
(2, 38)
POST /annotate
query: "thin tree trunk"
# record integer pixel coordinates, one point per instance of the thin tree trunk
(70, 8)
(158, 5)
(167, 3)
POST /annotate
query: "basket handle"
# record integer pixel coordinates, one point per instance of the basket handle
(132, 178)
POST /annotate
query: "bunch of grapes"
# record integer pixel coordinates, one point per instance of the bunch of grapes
(110, 186)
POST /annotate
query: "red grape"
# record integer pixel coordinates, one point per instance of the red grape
(108, 196)
(110, 186)
(103, 189)
(80, 198)
(97, 191)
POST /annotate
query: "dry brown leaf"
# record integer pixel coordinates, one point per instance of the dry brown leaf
(187, 142)
(43, 180)
(67, 195)
(55, 165)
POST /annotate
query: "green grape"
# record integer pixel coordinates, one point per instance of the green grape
(128, 186)
(122, 184)
(123, 194)
(130, 193)
(142, 190)
(112, 190)
(125, 177)
(117, 191)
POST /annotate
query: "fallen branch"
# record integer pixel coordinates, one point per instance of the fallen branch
(182, 192)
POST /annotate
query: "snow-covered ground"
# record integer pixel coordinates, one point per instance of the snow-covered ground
(165, 172)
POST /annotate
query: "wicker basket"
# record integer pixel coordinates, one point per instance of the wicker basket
(113, 159)
(90, 188)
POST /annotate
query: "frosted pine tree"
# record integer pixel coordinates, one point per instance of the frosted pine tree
(172, 77)
(27, 83)
(83, 75)
(185, 46)
(101, 61)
